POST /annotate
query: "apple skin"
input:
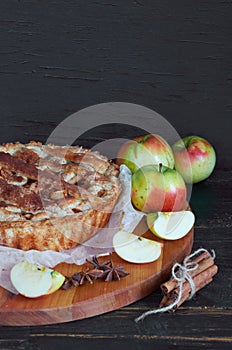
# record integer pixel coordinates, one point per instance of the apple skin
(144, 150)
(195, 158)
(158, 188)
(57, 281)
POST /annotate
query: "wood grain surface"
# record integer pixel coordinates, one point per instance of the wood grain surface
(91, 300)
(57, 57)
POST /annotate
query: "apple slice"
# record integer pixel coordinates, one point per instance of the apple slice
(171, 225)
(57, 281)
(136, 249)
(33, 281)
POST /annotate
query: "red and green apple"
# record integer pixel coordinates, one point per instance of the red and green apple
(195, 158)
(158, 188)
(144, 150)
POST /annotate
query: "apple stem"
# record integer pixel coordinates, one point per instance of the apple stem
(160, 167)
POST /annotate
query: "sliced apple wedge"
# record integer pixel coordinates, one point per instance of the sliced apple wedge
(171, 225)
(57, 281)
(33, 281)
(136, 249)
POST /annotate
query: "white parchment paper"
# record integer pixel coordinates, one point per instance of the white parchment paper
(123, 217)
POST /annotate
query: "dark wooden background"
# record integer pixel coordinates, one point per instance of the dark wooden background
(57, 57)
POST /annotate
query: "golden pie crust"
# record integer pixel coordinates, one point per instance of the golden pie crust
(54, 197)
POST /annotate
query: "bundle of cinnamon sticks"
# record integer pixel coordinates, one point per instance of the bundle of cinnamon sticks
(201, 276)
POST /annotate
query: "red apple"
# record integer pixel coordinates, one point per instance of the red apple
(144, 150)
(195, 158)
(158, 188)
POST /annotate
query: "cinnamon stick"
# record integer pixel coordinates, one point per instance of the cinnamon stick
(205, 257)
(200, 280)
(165, 301)
(198, 274)
(201, 285)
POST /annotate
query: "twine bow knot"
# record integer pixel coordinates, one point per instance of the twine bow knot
(181, 274)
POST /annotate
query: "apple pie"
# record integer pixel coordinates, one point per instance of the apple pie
(54, 197)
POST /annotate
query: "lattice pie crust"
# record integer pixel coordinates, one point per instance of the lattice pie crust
(54, 197)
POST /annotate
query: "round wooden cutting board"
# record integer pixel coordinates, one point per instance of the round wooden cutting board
(97, 298)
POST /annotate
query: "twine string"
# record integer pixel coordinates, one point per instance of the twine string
(180, 273)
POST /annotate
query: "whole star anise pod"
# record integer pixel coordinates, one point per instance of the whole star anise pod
(79, 278)
(87, 275)
(110, 273)
(95, 263)
(114, 273)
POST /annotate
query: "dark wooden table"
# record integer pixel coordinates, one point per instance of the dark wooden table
(57, 57)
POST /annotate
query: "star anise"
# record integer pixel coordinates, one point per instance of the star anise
(67, 283)
(113, 273)
(105, 270)
(79, 278)
(87, 275)
(110, 273)
(95, 263)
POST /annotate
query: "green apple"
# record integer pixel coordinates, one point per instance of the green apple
(195, 158)
(144, 150)
(33, 281)
(171, 225)
(136, 249)
(158, 188)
